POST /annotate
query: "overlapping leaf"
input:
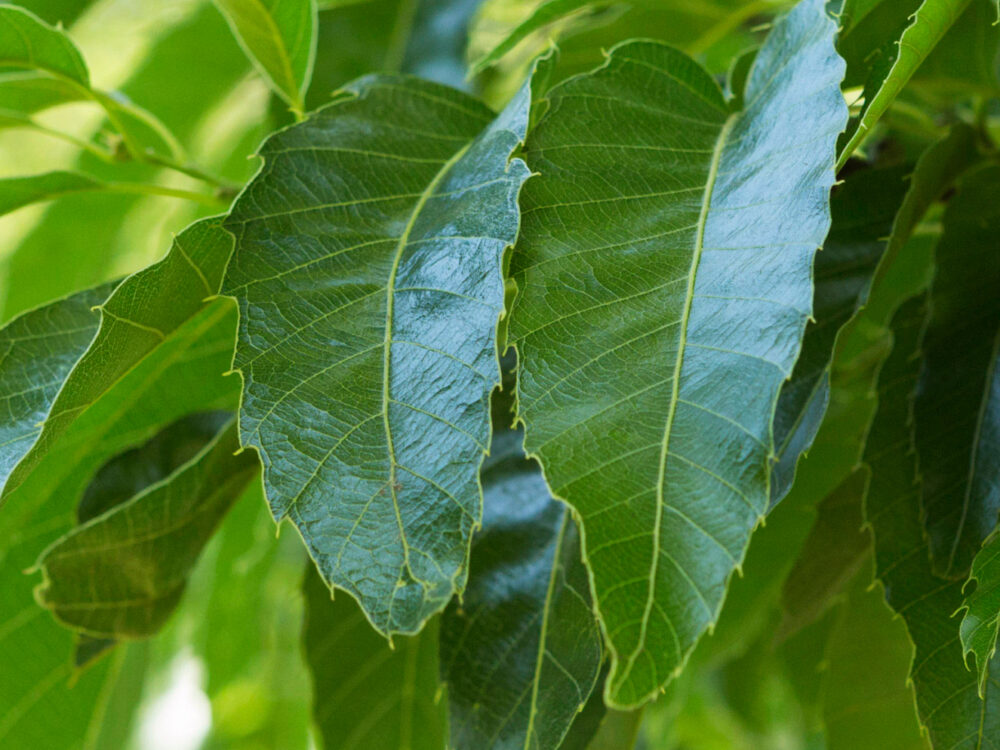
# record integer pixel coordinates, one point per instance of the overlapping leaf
(930, 23)
(948, 701)
(958, 397)
(368, 273)
(664, 275)
(142, 315)
(982, 608)
(863, 209)
(368, 694)
(279, 36)
(121, 574)
(521, 652)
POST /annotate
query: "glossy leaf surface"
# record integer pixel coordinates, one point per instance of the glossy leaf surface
(280, 38)
(521, 652)
(948, 701)
(121, 574)
(366, 693)
(664, 276)
(368, 274)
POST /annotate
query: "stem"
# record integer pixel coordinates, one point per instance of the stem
(190, 170)
(151, 189)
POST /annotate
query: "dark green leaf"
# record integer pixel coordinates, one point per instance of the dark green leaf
(279, 37)
(369, 694)
(122, 573)
(930, 23)
(948, 702)
(958, 397)
(664, 276)
(368, 273)
(863, 208)
(521, 652)
(982, 608)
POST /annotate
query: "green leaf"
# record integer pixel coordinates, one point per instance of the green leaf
(426, 38)
(26, 41)
(664, 275)
(867, 702)
(29, 92)
(863, 208)
(121, 574)
(368, 272)
(982, 609)
(131, 472)
(936, 170)
(39, 349)
(830, 557)
(142, 315)
(279, 37)
(543, 15)
(957, 409)
(43, 706)
(16, 192)
(522, 651)
(948, 702)
(930, 23)
(368, 693)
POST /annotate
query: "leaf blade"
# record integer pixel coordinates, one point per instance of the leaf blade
(624, 322)
(415, 296)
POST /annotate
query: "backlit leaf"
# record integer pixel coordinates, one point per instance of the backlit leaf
(279, 36)
(930, 23)
(368, 273)
(664, 276)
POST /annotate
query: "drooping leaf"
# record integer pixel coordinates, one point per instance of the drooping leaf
(930, 23)
(664, 276)
(140, 316)
(368, 274)
(121, 574)
(279, 37)
(367, 694)
(982, 608)
(867, 702)
(957, 417)
(521, 652)
(948, 702)
(131, 472)
(863, 208)
(830, 557)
